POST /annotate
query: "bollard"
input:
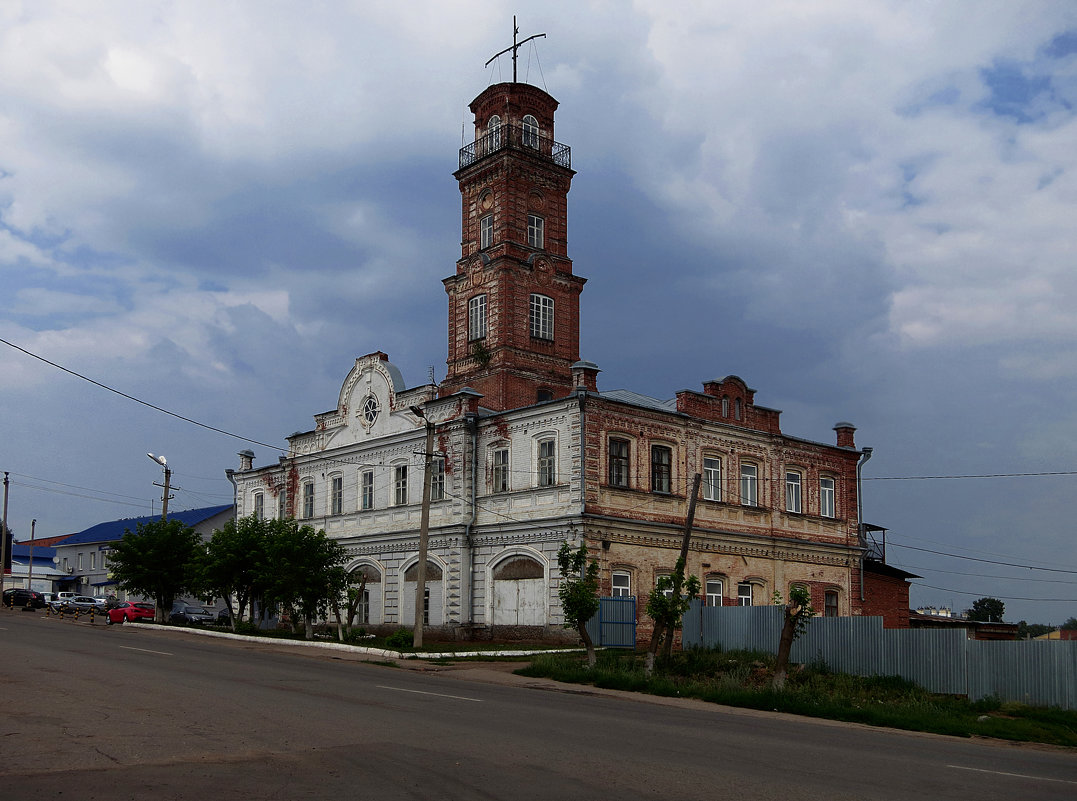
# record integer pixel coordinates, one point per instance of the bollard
(91, 616)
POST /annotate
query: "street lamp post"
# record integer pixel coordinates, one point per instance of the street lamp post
(168, 480)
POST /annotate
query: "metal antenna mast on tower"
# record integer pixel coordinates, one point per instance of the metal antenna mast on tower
(515, 46)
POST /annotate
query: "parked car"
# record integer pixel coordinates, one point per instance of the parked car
(184, 614)
(20, 596)
(82, 604)
(60, 600)
(129, 612)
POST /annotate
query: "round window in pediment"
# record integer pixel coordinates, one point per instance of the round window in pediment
(370, 410)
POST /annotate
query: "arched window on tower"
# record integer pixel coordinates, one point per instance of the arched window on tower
(530, 131)
(493, 133)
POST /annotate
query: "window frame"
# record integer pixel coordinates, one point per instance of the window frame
(530, 131)
(794, 491)
(621, 590)
(749, 484)
(486, 231)
(282, 505)
(493, 132)
(499, 470)
(536, 231)
(708, 596)
(741, 595)
(661, 472)
(366, 489)
(400, 484)
(258, 505)
(831, 610)
(541, 316)
(308, 499)
(712, 478)
(437, 478)
(615, 463)
(546, 461)
(828, 508)
(476, 317)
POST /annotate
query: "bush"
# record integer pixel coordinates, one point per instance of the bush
(401, 639)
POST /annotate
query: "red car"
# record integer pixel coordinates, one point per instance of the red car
(128, 612)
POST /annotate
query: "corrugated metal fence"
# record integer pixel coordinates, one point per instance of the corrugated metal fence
(940, 660)
(615, 624)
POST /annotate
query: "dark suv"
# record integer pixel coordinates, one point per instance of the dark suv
(20, 596)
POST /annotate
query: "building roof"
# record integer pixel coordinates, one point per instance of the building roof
(636, 399)
(115, 529)
(21, 550)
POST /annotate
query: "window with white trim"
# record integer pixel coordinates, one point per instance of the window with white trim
(499, 470)
(536, 233)
(437, 478)
(541, 317)
(661, 468)
(530, 129)
(830, 603)
(308, 499)
(547, 462)
(826, 496)
(745, 593)
(400, 485)
(621, 584)
(259, 505)
(712, 478)
(793, 492)
(80, 562)
(366, 489)
(712, 591)
(476, 317)
(486, 231)
(749, 485)
(336, 495)
(493, 131)
(93, 560)
(618, 462)
(667, 589)
(282, 505)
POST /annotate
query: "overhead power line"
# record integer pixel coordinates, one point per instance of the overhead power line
(139, 400)
(971, 475)
(1000, 597)
(977, 559)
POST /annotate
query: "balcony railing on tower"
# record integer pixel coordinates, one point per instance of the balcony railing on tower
(516, 137)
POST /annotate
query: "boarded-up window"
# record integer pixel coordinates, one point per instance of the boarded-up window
(433, 572)
(519, 568)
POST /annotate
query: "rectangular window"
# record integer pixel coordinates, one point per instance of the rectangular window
(541, 317)
(830, 603)
(661, 468)
(618, 462)
(476, 317)
(282, 508)
(259, 505)
(486, 231)
(547, 463)
(366, 483)
(712, 478)
(744, 594)
(749, 485)
(667, 590)
(308, 499)
(622, 584)
(93, 561)
(826, 497)
(499, 475)
(714, 592)
(792, 491)
(65, 564)
(400, 484)
(535, 231)
(437, 478)
(336, 495)
(362, 609)
(80, 562)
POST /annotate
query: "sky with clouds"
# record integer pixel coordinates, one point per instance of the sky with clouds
(865, 209)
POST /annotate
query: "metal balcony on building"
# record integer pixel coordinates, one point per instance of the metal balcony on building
(516, 137)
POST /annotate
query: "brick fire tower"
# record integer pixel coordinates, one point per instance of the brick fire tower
(514, 304)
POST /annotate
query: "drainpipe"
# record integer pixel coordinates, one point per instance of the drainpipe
(865, 455)
(471, 424)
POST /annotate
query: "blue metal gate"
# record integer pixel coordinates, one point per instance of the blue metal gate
(615, 624)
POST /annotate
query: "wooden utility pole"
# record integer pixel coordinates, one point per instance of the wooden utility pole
(424, 532)
(3, 538)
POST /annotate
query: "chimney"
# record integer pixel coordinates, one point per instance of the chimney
(585, 376)
(845, 434)
(246, 460)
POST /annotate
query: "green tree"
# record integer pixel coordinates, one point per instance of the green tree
(1028, 631)
(797, 614)
(670, 599)
(578, 592)
(157, 561)
(986, 610)
(228, 563)
(1070, 624)
(296, 570)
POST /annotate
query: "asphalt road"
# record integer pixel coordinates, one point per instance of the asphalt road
(127, 712)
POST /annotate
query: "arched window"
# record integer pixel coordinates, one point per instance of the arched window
(713, 591)
(493, 133)
(530, 132)
(308, 499)
(259, 505)
(476, 317)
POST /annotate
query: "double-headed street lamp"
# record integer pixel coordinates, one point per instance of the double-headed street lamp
(168, 481)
